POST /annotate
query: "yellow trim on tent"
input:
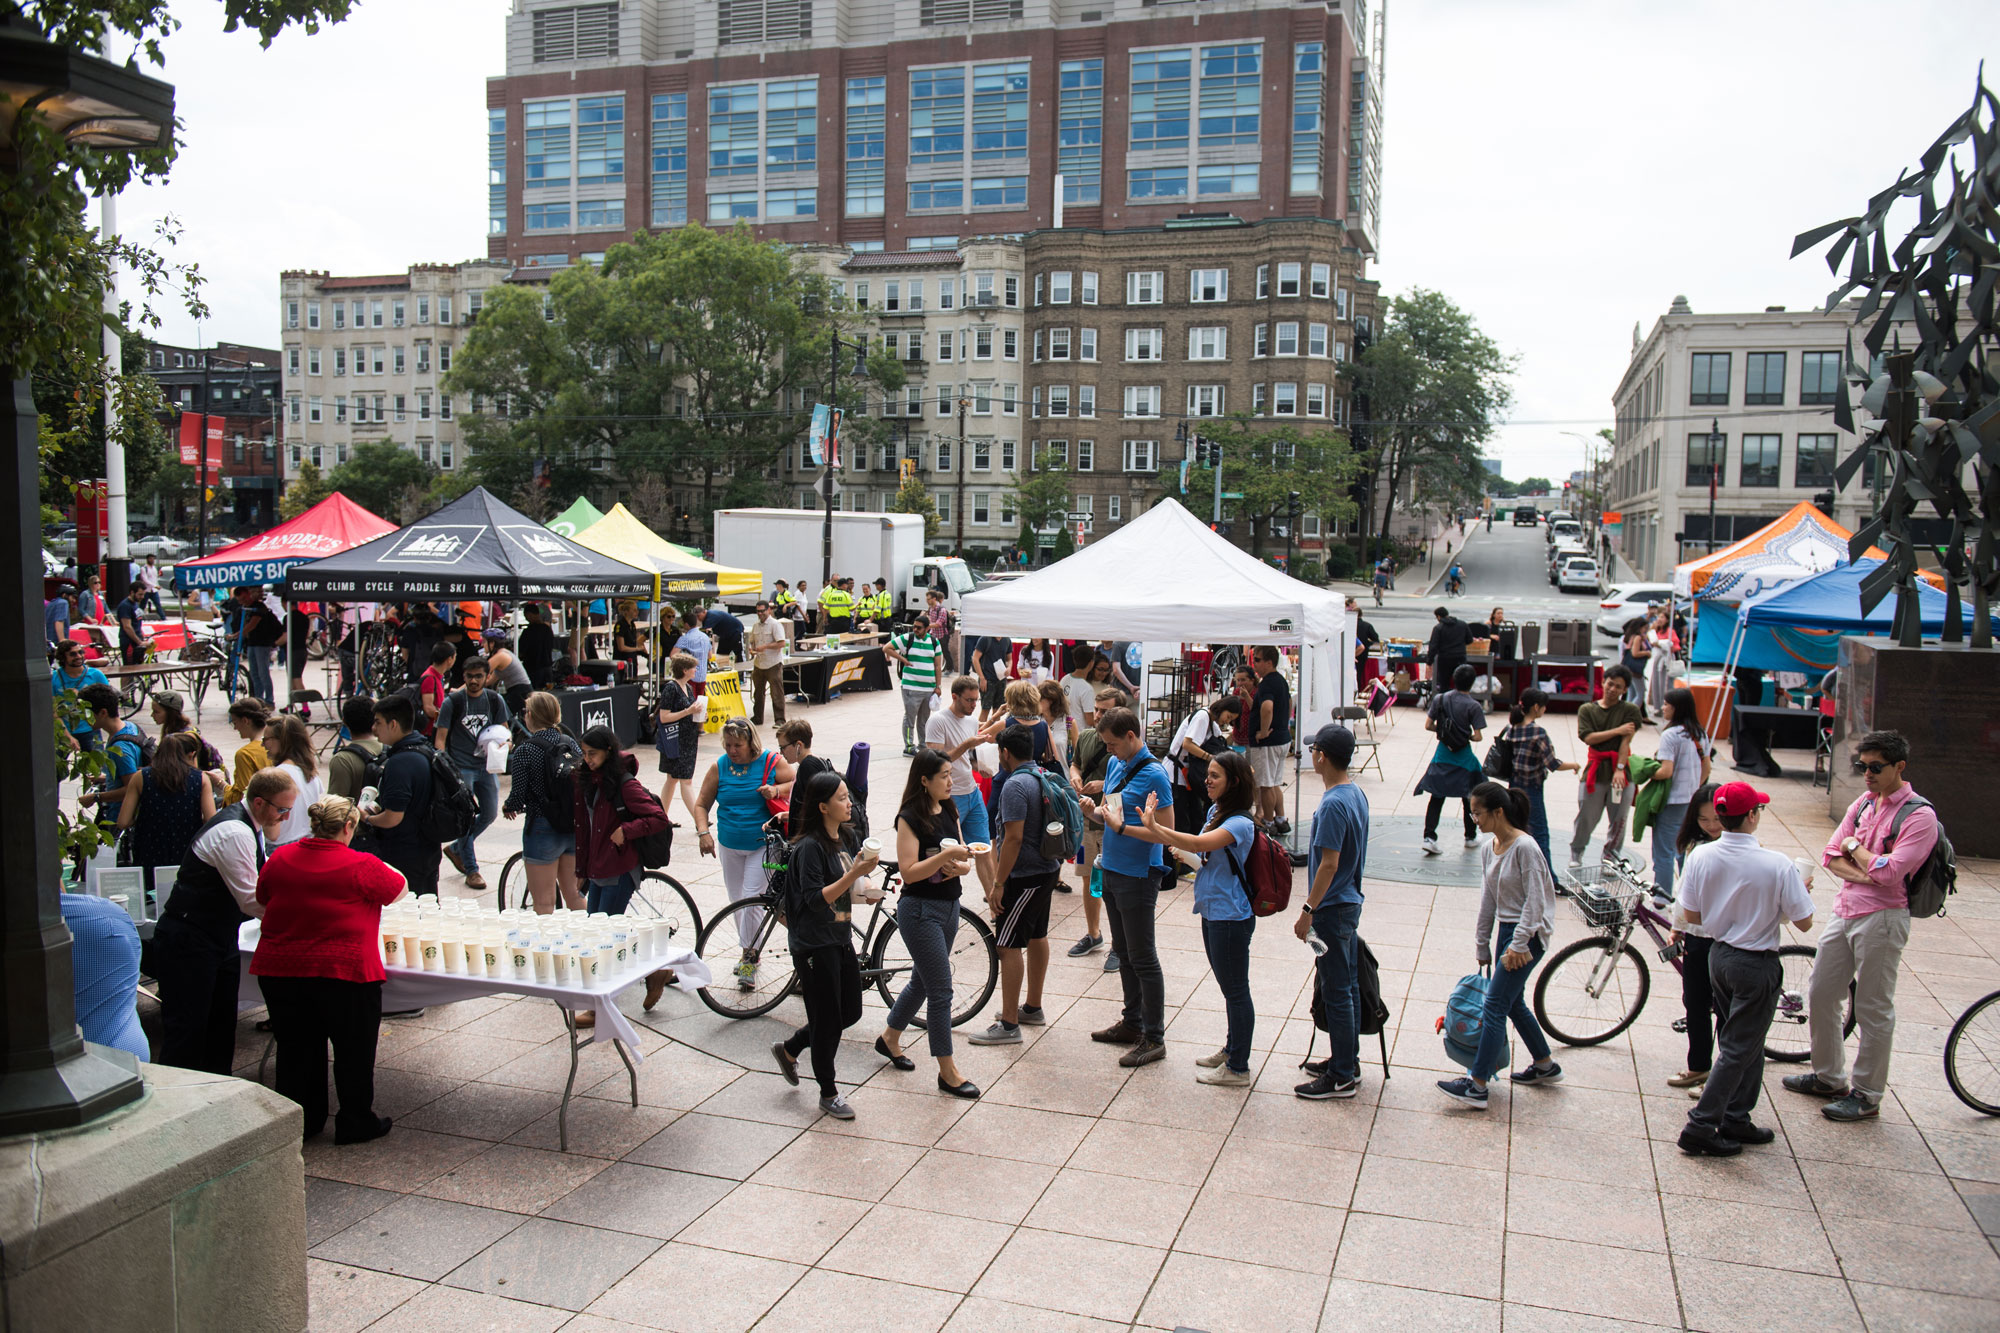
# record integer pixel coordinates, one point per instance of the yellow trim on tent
(620, 535)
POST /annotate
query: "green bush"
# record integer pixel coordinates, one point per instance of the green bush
(1340, 561)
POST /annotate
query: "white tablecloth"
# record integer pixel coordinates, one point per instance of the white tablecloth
(416, 989)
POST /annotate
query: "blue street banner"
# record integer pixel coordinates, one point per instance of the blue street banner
(823, 437)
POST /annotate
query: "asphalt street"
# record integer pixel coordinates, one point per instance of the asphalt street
(1507, 567)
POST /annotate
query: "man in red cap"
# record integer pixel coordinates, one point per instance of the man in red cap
(1742, 893)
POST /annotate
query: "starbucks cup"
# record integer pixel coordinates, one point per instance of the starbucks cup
(433, 951)
(392, 948)
(603, 961)
(520, 960)
(453, 956)
(545, 963)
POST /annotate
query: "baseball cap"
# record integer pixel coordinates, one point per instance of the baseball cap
(170, 700)
(1738, 798)
(1336, 743)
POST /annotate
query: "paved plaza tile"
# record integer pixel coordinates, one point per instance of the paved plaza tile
(1081, 1197)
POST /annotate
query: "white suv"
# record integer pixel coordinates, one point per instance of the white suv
(1579, 574)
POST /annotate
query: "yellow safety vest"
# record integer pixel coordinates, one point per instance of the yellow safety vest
(836, 602)
(783, 598)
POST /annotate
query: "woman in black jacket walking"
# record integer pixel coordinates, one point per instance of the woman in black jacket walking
(828, 861)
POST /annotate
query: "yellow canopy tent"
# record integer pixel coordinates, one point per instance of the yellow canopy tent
(676, 574)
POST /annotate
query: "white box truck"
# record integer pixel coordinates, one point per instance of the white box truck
(786, 544)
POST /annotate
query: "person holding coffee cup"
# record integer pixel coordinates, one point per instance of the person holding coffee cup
(828, 863)
(932, 862)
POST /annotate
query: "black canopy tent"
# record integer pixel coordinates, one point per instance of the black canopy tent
(476, 547)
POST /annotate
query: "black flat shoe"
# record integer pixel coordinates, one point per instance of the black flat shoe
(902, 1062)
(381, 1127)
(968, 1089)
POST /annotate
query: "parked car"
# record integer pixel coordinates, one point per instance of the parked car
(1579, 574)
(1564, 552)
(1526, 516)
(1000, 577)
(153, 543)
(52, 565)
(1565, 530)
(1623, 602)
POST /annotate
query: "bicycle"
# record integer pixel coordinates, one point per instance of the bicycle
(659, 896)
(1972, 1055)
(975, 957)
(1592, 989)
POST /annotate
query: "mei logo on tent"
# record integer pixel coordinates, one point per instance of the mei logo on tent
(445, 544)
(595, 713)
(543, 546)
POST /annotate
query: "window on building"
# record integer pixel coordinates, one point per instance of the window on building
(982, 455)
(1080, 130)
(1011, 288)
(1219, 178)
(375, 360)
(423, 310)
(545, 144)
(1230, 95)
(728, 205)
(1208, 343)
(293, 408)
(1288, 339)
(1204, 400)
(733, 130)
(782, 204)
(291, 316)
(1086, 455)
(1259, 396)
(1315, 340)
(1819, 378)
(1000, 111)
(1086, 400)
(312, 314)
(423, 358)
(670, 160)
(312, 361)
(546, 217)
(1010, 399)
(1709, 379)
(396, 360)
(1288, 279)
(444, 407)
(1112, 510)
(401, 408)
(1260, 340)
(1818, 455)
(1761, 455)
(1142, 400)
(1284, 400)
(937, 194)
(340, 361)
(340, 407)
(1208, 284)
(982, 344)
(937, 115)
(1145, 344)
(791, 120)
(1160, 85)
(444, 357)
(1156, 183)
(1315, 400)
(423, 407)
(1059, 344)
(1263, 281)
(1060, 288)
(1764, 378)
(1702, 456)
(1086, 344)
(1010, 344)
(1058, 400)
(1142, 456)
(1322, 280)
(1148, 288)
(340, 314)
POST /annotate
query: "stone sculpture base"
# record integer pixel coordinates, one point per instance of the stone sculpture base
(1946, 699)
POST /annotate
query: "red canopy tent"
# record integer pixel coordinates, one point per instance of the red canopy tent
(333, 525)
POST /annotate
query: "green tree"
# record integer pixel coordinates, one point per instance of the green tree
(304, 491)
(378, 475)
(1268, 461)
(1536, 486)
(913, 497)
(1434, 386)
(691, 355)
(1043, 500)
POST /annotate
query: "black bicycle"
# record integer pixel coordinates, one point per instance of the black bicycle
(1972, 1055)
(752, 961)
(659, 896)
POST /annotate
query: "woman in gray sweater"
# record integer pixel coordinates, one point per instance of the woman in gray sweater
(1519, 894)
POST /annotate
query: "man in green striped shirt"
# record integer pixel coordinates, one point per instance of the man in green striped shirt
(917, 654)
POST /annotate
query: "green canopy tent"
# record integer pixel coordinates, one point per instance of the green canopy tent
(575, 518)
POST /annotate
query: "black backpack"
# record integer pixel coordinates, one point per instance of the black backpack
(452, 808)
(560, 757)
(1452, 731)
(1372, 1014)
(654, 849)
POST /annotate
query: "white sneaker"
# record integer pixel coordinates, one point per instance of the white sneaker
(1431, 847)
(1225, 1077)
(1472, 841)
(1215, 1061)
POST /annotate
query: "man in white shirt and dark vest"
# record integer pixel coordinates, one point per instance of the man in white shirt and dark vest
(1743, 893)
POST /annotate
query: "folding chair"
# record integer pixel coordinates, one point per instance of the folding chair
(1367, 752)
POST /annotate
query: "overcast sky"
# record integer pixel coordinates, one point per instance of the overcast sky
(1560, 168)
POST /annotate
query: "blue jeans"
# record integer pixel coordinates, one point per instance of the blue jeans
(1505, 1000)
(1129, 905)
(486, 788)
(257, 661)
(1340, 987)
(928, 926)
(1666, 830)
(1228, 946)
(973, 825)
(610, 898)
(543, 845)
(1538, 822)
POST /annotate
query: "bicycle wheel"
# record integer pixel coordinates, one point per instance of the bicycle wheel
(318, 644)
(663, 898)
(975, 967)
(1790, 1039)
(133, 691)
(1972, 1056)
(721, 948)
(512, 886)
(1589, 994)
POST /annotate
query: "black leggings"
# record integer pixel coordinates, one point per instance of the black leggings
(308, 1014)
(1698, 1000)
(1435, 810)
(830, 984)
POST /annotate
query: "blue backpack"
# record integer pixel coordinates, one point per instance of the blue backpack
(1464, 1017)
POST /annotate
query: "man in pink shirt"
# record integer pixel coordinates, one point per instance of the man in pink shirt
(1863, 943)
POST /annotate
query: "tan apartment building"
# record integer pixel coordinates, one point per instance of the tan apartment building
(364, 357)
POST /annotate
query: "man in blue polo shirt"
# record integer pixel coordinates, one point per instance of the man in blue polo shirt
(1332, 912)
(1133, 863)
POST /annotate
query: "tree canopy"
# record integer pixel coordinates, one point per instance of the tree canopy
(1266, 462)
(693, 356)
(1428, 392)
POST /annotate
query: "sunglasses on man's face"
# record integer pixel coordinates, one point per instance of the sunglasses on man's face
(1873, 766)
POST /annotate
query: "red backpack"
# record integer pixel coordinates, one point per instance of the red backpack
(1268, 882)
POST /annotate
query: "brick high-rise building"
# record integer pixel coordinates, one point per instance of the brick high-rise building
(908, 124)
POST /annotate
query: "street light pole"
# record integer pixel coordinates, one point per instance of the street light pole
(958, 501)
(1291, 526)
(1714, 473)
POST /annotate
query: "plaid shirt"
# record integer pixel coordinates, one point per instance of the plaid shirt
(1534, 754)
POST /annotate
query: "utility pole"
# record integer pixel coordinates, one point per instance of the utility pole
(958, 501)
(117, 564)
(826, 477)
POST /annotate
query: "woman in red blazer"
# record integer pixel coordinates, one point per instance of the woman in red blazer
(320, 964)
(612, 808)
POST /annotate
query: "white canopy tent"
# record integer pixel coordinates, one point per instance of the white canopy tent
(1164, 578)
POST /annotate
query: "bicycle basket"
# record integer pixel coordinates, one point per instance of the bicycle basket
(1602, 899)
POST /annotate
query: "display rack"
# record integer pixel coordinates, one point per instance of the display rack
(1581, 678)
(1170, 697)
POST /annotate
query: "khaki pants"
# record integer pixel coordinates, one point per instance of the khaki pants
(1592, 806)
(770, 678)
(1867, 951)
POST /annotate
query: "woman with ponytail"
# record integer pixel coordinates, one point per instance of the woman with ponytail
(1518, 892)
(1534, 759)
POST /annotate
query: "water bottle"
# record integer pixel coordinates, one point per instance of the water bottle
(1315, 943)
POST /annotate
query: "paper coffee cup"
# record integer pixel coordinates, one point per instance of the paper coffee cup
(521, 962)
(573, 965)
(392, 948)
(604, 959)
(453, 956)
(545, 964)
(413, 949)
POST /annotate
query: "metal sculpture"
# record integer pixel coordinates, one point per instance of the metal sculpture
(1933, 409)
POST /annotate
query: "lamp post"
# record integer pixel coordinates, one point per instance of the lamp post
(958, 499)
(1291, 525)
(1206, 452)
(860, 349)
(49, 1077)
(1714, 473)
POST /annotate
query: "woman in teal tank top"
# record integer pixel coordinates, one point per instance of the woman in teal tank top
(733, 795)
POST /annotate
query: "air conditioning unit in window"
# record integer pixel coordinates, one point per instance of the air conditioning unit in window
(985, 300)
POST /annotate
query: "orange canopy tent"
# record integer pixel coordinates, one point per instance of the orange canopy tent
(1802, 543)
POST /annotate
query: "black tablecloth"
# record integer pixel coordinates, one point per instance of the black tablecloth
(858, 669)
(616, 706)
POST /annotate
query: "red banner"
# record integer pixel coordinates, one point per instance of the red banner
(93, 519)
(196, 430)
(214, 445)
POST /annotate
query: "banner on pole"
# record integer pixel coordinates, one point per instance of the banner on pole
(823, 436)
(201, 435)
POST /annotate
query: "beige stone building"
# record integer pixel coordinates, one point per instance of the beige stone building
(363, 358)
